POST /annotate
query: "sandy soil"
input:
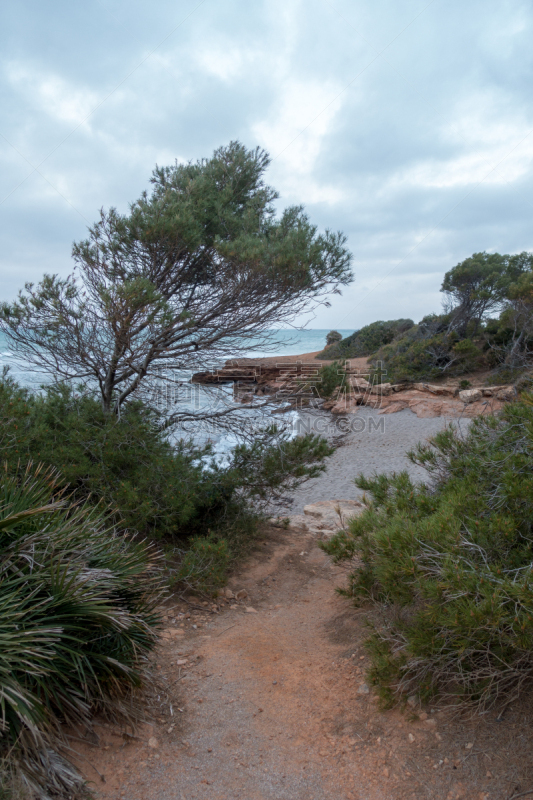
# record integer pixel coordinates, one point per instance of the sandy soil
(272, 704)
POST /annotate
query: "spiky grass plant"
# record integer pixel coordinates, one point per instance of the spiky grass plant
(77, 622)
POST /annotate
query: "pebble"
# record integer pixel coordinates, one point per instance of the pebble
(363, 689)
(242, 594)
(152, 742)
(250, 610)
(411, 737)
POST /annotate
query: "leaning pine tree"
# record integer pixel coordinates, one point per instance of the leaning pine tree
(198, 269)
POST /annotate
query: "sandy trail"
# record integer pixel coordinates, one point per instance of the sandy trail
(273, 705)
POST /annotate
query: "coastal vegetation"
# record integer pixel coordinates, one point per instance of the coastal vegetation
(200, 269)
(106, 501)
(78, 620)
(447, 566)
(486, 324)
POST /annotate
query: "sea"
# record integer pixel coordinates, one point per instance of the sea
(292, 342)
(198, 398)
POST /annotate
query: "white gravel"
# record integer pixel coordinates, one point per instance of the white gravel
(375, 443)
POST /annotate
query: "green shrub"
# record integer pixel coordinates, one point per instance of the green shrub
(203, 566)
(368, 340)
(77, 622)
(449, 565)
(172, 492)
(330, 377)
(150, 485)
(429, 351)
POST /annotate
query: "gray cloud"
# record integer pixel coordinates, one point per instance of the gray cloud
(407, 125)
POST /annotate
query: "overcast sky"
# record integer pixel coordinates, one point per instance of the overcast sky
(406, 124)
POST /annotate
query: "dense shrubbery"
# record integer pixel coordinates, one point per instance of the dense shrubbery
(77, 621)
(367, 340)
(450, 565)
(431, 350)
(171, 492)
(464, 338)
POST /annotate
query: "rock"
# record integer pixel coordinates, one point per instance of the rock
(470, 395)
(412, 701)
(152, 742)
(433, 389)
(386, 772)
(332, 514)
(347, 405)
(250, 610)
(469, 746)
(381, 388)
(181, 662)
(506, 394)
(358, 383)
(394, 407)
(424, 409)
(411, 738)
(242, 594)
(228, 593)
(402, 387)
(363, 689)
(431, 723)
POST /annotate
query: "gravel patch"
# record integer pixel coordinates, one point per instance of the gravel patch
(373, 443)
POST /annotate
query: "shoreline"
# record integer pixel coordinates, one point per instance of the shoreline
(374, 444)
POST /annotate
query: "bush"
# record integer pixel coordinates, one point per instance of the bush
(330, 377)
(77, 622)
(448, 565)
(333, 337)
(429, 351)
(368, 340)
(171, 492)
(151, 486)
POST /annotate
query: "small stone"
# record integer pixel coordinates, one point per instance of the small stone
(469, 746)
(412, 701)
(411, 738)
(228, 593)
(470, 395)
(423, 716)
(506, 394)
(152, 742)
(242, 594)
(431, 722)
(363, 689)
(386, 772)
(181, 662)
(250, 610)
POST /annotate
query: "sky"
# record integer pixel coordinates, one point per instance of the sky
(406, 124)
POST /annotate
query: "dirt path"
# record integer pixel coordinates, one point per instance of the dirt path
(271, 704)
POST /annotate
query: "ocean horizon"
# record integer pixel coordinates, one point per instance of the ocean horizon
(292, 342)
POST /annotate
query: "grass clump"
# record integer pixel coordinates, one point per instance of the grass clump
(77, 623)
(449, 565)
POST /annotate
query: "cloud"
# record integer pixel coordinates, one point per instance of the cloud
(408, 126)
